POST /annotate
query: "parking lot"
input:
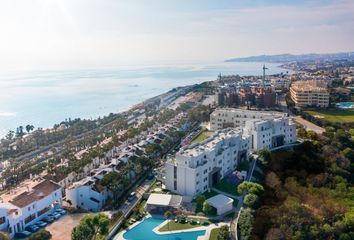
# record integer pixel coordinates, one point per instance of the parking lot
(61, 228)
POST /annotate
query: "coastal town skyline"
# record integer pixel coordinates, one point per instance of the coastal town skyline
(89, 34)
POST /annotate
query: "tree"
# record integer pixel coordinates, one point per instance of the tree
(200, 199)
(224, 233)
(41, 235)
(245, 223)
(251, 200)
(168, 215)
(206, 207)
(302, 132)
(272, 180)
(29, 128)
(10, 135)
(275, 234)
(91, 227)
(348, 153)
(264, 155)
(250, 187)
(4, 236)
(312, 135)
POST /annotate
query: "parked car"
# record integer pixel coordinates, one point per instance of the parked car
(48, 219)
(23, 234)
(55, 215)
(41, 224)
(131, 196)
(60, 211)
(150, 176)
(32, 228)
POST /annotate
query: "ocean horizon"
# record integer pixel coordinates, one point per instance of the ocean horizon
(44, 98)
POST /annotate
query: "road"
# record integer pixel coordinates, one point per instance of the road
(306, 124)
(309, 125)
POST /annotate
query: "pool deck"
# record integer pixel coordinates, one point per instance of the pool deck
(207, 229)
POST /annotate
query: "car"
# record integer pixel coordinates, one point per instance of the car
(151, 176)
(48, 219)
(32, 228)
(60, 211)
(23, 234)
(131, 196)
(55, 215)
(41, 224)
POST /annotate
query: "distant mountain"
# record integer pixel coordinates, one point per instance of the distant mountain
(282, 58)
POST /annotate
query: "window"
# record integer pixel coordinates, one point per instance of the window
(2, 220)
(175, 185)
(29, 208)
(175, 172)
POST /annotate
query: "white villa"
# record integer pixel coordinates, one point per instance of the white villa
(27, 204)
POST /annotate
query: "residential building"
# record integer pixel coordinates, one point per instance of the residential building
(198, 167)
(88, 193)
(310, 93)
(266, 128)
(25, 205)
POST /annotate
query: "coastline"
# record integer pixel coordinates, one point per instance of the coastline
(111, 93)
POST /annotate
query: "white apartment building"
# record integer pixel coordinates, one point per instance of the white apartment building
(310, 93)
(234, 117)
(27, 204)
(266, 128)
(196, 168)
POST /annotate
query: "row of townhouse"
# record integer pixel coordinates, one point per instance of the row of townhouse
(198, 167)
(89, 194)
(27, 204)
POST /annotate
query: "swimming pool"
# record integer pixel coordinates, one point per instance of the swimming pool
(345, 105)
(143, 231)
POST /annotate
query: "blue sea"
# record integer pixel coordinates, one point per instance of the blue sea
(44, 98)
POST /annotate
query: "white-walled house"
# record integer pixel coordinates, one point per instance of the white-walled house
(88, 193)
(30, 202)
(196, 168)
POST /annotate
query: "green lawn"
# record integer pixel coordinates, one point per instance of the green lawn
(224, 186)
(201, 137)
(214, 234)
(334, 115)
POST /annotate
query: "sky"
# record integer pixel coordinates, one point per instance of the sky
(73, 34)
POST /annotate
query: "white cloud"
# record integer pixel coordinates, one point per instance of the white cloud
(77, 34)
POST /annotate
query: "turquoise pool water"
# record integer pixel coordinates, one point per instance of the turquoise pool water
(345, 105)
(143, 231)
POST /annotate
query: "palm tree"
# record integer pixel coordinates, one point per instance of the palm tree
(167, 215)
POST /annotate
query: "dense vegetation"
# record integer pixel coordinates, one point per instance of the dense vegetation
(309, 192)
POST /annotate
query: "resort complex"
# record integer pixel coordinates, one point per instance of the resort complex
(194, 163)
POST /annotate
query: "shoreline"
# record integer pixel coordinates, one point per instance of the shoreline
(100, 112)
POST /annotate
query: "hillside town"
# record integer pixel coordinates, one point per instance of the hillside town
(193, 162)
